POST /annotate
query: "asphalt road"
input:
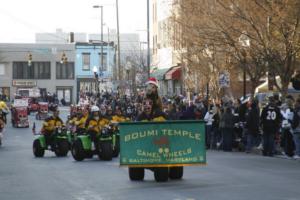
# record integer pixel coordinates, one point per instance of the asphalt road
(228, 176)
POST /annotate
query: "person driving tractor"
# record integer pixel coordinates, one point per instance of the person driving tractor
(4, 111)
(118, 116)
(93, 124)
(49, 126)
(80, 121)
(2, 123)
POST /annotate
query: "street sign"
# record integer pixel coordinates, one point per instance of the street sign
(224, 80)
(170, 143)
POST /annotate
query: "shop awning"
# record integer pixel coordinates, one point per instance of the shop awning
(159, 73)
(173, 74)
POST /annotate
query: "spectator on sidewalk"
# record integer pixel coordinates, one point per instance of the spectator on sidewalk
(252, 125)
(227, 125)
(296, 128)
(270, 120)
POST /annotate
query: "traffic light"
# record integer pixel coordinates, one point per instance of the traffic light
(63, 59)
(29, 59)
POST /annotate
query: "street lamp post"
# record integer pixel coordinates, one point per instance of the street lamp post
(118, 38)
(244, 41)
(209, 54)
(95, 70)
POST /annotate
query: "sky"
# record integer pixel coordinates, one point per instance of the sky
(21, 19)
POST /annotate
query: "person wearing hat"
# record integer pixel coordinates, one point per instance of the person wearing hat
(49, 126)
(152, 93)
(270, 120)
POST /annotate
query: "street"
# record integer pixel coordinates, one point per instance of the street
(228, 176)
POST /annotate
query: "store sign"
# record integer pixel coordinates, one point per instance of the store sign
(170, 143)
(24, 83)
(20, 103)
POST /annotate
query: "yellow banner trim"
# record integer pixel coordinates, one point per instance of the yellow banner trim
(165, 165)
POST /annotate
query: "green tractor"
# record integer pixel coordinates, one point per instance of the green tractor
(83, 146)
(59, 143)
(115, 132)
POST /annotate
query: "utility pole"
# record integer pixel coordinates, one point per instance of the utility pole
(118, 38)
(148, 38)
(101, 68)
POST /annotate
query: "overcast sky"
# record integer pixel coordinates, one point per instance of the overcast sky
(21, 19)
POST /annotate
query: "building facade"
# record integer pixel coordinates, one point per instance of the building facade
(88, 62)
(166, 60)
(38, 65)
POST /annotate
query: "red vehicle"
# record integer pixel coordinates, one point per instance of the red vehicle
(33, 105)
(19, 117)
(42, 112)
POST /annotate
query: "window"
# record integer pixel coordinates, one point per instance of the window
(86, 61)
(104, 67)
(2, 69)
(65, 71)
(37, 70)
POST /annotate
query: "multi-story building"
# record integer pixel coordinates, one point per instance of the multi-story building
(88, 61)
(59, 37)
(166, 59)
(48, 67)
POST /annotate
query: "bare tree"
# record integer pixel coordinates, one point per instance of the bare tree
(271, 28)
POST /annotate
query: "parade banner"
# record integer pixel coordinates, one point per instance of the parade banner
(171, 143)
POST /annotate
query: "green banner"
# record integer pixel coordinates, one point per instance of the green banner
(171, 143)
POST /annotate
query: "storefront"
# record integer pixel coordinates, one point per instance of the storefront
(64, 93)
(173, 78)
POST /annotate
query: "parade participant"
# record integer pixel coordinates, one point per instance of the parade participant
(118, 116)
(270, 120)
(109, 112)
(149, 112)
(92, 124)
(5, 111)
(81, 121)
(49, 126)
(152, 93)
(2, 124)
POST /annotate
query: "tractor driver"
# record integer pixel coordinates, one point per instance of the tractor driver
(49, 126)
(92, 124)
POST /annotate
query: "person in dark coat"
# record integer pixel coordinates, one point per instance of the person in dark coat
(227, 125)
(252, 125)
(270, 120)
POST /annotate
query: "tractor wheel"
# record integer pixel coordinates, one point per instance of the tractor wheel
(175, 173)
(62, 148)
(136, 174)
(105, 151)
(161, 174)
(38, 150)
(78, 151)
